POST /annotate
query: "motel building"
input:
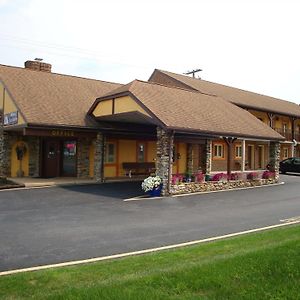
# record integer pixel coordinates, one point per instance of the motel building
(55, 125)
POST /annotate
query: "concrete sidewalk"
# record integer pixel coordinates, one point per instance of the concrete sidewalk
(64, 181)
(60, 181)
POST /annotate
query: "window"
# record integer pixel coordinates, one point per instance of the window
(284, 127)
(218, 150)
(238, 151)
(141, 148)
(110, 155)
(285, 153)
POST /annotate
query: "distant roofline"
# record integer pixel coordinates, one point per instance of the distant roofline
(228, 86)
(60, 74)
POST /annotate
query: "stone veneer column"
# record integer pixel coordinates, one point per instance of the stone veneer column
(4, 153)
(83, 162)
(99, 157)
(208, 156)
(190, 158)
(164, 152)
(34, 156)
(274, 158)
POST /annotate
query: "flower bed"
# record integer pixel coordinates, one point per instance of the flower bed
(192, 187)
(219, 182)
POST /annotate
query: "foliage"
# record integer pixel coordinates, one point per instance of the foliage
(237, 176)
(151, 183)
(253, 176)
(177, 178)
(199, 177)
(219, 177)
(268, 175)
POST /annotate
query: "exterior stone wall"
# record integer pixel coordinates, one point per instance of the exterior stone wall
(34, 156)
(99, 157)
(4, 157)
(192, 187)
(165, 141)
(275, 158)
(190, 159)
(208, 156)
(83, 162)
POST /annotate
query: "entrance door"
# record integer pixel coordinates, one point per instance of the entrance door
(51, 158)
(260, 157)
(69, 158)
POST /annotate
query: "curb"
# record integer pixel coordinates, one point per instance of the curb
(143, 197)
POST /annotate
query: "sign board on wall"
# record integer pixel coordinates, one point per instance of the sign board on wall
(11, 118)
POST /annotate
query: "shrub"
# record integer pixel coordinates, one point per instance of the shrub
(237, 176)
(199, 177)
(177, 178)
(151, 183)
(219, 177)
(234, 176)
(252, 176)
(268, 175)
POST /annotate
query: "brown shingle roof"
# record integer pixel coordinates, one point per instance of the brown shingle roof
(53, 99)
(188, 110)
(234, 95)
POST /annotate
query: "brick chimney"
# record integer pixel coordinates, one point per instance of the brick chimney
(37, 65)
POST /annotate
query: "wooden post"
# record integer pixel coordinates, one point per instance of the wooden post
(271, 117)
(243, 155)
(229, 141)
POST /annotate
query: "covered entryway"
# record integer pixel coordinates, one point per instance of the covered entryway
(59, 158)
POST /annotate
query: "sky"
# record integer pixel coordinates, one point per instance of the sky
(249, 44)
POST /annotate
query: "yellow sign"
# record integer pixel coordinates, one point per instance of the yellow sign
(62, 133)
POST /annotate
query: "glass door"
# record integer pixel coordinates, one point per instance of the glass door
(69, 161)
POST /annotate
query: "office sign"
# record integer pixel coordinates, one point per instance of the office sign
(11, 118)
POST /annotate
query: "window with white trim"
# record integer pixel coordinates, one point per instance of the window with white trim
(218, 150)
(238, 151)
(285, 153)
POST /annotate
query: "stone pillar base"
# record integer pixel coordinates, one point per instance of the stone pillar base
(99, 158)
(164, 153)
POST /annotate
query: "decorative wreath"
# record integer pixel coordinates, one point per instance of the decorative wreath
(21, 151)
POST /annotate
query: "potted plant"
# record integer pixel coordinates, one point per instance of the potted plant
(188, 177)
(152, 185)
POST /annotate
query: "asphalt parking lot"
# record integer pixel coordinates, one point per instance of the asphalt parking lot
(52, 225)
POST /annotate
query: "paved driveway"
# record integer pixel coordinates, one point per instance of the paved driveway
(51, 225)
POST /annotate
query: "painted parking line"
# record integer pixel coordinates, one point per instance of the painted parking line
(144, 197)
(145, 251)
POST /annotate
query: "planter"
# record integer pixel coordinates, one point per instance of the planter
(154, 193)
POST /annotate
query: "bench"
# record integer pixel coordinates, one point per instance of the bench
(138, 168)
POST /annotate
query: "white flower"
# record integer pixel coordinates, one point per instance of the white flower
(151, 183)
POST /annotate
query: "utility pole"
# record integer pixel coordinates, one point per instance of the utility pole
(193, 72)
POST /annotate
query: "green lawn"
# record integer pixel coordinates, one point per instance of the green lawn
(265, 265)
